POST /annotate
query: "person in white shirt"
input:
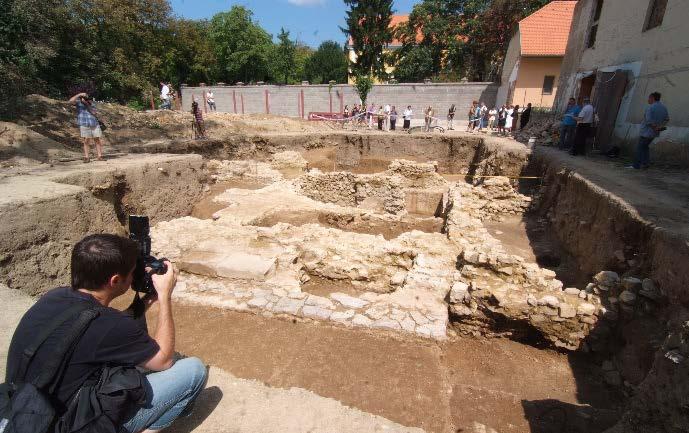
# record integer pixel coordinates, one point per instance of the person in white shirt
(164, 96)
(408, 113)
(386, 110)
(491, 119)
(508, 119)
(210, 99)
(584, 124)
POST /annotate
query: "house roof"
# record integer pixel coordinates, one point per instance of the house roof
(546, 31)
(394, 22)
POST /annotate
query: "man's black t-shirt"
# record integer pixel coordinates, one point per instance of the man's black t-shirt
(112, 338)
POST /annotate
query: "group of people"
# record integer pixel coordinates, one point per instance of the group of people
(576, 125)
(506, 119)
(385, 116)
(579, 119)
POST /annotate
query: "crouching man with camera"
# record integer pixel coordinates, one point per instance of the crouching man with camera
(73, 349)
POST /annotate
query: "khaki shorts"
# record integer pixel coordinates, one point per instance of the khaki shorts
(91, 131)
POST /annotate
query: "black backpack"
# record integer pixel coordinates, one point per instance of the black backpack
(101, 405)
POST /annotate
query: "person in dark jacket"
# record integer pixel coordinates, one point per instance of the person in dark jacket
(526, 115)
(102, 269)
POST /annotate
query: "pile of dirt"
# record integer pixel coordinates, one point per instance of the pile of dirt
(51, 124)
(544, 127)
(262, 123)
(56, 120)
(20, 146)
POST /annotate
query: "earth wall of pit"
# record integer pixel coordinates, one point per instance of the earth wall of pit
(471, 155)
(37, 234)
(604, 232)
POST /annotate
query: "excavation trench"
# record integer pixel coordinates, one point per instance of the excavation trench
(345, 280)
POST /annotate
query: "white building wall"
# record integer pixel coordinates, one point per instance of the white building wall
(656, 59)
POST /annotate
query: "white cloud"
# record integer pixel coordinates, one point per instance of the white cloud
(306, 2)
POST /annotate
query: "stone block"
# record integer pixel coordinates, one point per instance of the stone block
(586, 309)
(606, 278)
(550, 301)
(361, 320)
(315, 312)
(342, 316)
(319, 301)
(233, 265)
(348, 301)
(288, 306)
(459, 292)
(566, 311)
(386, 323)
(632, 284)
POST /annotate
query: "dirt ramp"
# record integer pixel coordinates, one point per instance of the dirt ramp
(44, 214)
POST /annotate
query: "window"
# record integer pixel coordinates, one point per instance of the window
(656, 13)
(592, 36)
(548, 83)
(593, 31)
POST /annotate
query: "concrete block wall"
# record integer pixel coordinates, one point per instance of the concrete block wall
(285, 100)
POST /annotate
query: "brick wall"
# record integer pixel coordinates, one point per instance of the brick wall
(284, 100)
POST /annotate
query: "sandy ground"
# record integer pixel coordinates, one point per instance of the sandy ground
(440, 387)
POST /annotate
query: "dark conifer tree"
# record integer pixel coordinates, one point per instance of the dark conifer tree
(368, 26)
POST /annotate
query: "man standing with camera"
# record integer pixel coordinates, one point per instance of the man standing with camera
(102, 269)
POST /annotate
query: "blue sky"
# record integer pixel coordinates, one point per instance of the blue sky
(309, 21)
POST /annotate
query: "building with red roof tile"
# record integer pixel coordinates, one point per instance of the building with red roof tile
(534, 57)
(619, 51)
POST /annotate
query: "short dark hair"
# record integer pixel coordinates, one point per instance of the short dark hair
(656, 96)
(96, 258)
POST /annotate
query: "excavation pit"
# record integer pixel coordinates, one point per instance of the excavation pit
(306, 268)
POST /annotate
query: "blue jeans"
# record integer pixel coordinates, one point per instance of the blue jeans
(171, 392)
(643, 153)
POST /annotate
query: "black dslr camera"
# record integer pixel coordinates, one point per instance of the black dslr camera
(139, 232)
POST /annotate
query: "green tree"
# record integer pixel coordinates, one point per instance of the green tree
(489, 26)
(415, 65)
(242, 48)
(363, 85)
(189, 56)
(368, 27)
(302, 58)
(284, 56)
(467, 38)
(434, 27)
(328, 63)
(26, 47)
(118, 45)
